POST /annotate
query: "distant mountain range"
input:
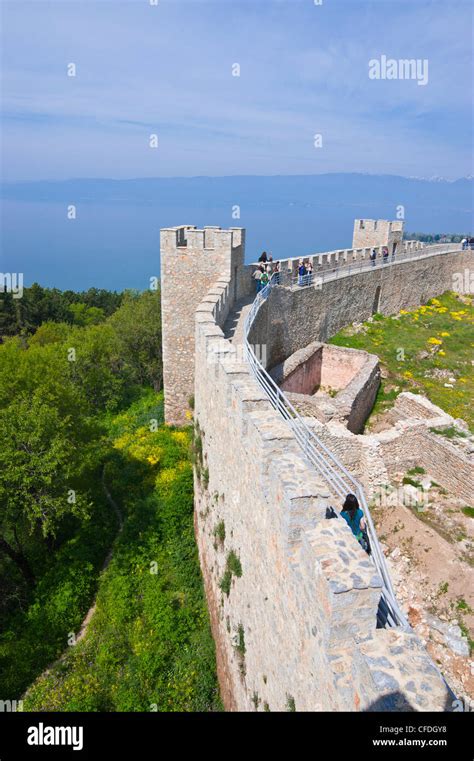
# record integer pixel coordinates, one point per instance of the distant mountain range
(358, 190)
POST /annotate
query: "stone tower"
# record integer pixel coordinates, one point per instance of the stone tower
(191, 261)
(372, 233)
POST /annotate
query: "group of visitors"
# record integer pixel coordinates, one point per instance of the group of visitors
(267, 270)
(305, 272)
(373, 255)
(467, 243)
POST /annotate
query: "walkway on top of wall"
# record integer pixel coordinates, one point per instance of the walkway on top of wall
(234, 325)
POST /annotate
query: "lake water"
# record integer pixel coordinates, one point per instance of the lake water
(114, 241)
(116, 246)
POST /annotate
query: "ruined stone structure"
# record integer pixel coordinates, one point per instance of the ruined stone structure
(410, 441)
(330, 383)
(292, 596)
(378, 232)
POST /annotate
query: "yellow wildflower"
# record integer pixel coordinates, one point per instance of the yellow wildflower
(435, 341)
(180, 437)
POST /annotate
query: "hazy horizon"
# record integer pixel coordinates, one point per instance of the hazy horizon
(432, 178)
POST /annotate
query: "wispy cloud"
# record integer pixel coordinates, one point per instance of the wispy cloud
(167, 69)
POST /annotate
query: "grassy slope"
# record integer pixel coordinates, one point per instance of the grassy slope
(444, 330)
(34, 637)
(149, 645)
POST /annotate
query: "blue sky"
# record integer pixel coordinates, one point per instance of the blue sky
(167, 69)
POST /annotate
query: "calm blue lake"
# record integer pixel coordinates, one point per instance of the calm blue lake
(117, 246)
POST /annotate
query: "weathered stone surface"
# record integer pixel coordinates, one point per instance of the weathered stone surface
(299, 620)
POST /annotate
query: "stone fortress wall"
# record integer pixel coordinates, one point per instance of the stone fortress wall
(293, 317)
(292, 597)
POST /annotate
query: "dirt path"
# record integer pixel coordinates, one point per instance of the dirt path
(88, 617)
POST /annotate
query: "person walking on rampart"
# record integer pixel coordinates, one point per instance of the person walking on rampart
(385, 254)
(309, 273)
(354, 518)
(373, 256)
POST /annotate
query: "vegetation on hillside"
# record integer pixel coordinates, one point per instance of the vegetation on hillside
(38, 305)
(73, 387)
(149, 646)
(426, 350)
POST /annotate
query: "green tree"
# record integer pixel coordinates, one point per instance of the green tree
(44, 458)
(85, 315)
(138, 327)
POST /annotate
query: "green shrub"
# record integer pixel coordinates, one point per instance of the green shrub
(233, 564)
(219, 532)
(225, 582)
(416, 471)
(240, 643)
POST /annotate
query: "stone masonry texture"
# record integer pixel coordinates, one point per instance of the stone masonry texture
(292, 596)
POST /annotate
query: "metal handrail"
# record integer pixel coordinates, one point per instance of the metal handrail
(340, 481)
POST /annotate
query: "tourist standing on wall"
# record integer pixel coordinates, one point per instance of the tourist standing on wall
(258, 276)
(301, 272)
(309, 273)
(276, 273)
(373, 256)
(385, 254)
(264, 279)
(263, 257)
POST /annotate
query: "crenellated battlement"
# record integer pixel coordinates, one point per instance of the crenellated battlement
(342, 257)
(206, 239)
